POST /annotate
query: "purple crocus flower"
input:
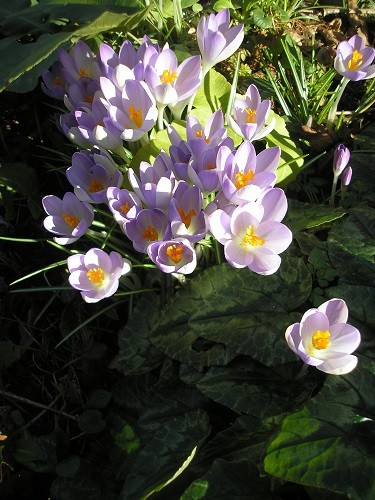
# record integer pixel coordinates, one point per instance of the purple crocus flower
(69, 126)
(250, 115)
(216, 40)
(324, 338)
(244, 174)
(203, 173)
(346, 176)
(69, 218)
(248, 239)
(147, 227)
(341, 158)
(185, 213)
(170, 82)
(91, 174)
(56, 81)
(81, 94)
(96, 274)
(80, 62)
(133, 110)
(173, 256)
(123, 204)
(353, 59)
(199, 138)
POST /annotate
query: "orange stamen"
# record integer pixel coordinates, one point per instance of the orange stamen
(243, 178)
(175, 252)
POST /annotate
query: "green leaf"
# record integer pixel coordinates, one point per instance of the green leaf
(37, 453)
(222, 4)
(261, 20)
(68, 467)
(23, 179)
(9, 353)
(212, 95)
(351, 247)
(291, 160)
(99, 399)
(224, 312)
(302, 216)
(91, 421)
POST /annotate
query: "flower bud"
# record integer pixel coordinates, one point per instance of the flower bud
(341, 158)
(346, 176)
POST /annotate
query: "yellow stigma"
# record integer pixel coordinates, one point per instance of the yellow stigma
(136, 116)
(251, 238)
(320, 340)
(71, 220)
(58, 81)
(201, 134)
(150, 234)
(356, 60)
(96, 275)
(95, 186)
(174, 252)
(168, 77)
(250, 115)
(209, 166)
(85, 72)
(186, 218)
(243, 178)
(124, 209)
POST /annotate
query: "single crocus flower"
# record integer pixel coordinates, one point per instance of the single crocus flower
(123, 204)
(68, 217)
(249, 240)
(353, 59)
(341, 158)
(324, 339)
(96, 274)
(345, 181)
(56, 81)
(250, 115)
(147, 227)
(80, 62)
(216, 40)
(173, 256)
(81, 94)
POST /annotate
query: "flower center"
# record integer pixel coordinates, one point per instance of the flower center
(96, 275)
(71, 220)
(201, 135)
(356, 60)
(250, 115)
(209, 166)
(168, 76)
(124, 209)
(174, 252)
(85, 72)
(251, 238)
(150, 234)
(136, 116)
(320, 340)
(58, 81)
(88, 98)
(186, 218)
(243, 178)
(95, 186)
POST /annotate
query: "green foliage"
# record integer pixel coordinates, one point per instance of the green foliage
(23, 179)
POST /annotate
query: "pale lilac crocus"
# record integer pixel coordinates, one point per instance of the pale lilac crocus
(123, 204)
(173, 256)
(69, 126)
(341, 158)
(353, 59)
(250, 115)
(248, 239)
(216, 40)
(56, 81)
(199, 138)
(185, 213)
(346, 177)
(67, 217)
(133, 110)
(91, 174)
(80, 62)
(244, 174)
(147, 227)
(324, 339)
(81, 94)
(96, 274)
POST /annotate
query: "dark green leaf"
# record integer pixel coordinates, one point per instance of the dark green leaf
(9, 353)
(310, 215)
(99, 399)
(91, 421)
(68, 467)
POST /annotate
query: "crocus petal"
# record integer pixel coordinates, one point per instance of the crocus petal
(336, 311)
(339, 366)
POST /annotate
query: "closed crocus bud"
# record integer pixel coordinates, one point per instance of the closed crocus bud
(347, 176)
(341, 158)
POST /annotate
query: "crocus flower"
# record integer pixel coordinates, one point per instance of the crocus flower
(80, 62)
(353, 59)
(96, 274)
(173, 256)
(69, 218)
(346, 176)
(69, 126)
(123, 204)
(199, 138)
(341, 158)
(244, 174)
(324, 338)
(147, 227)
(250, 115)
(81, 94)
(249, 239)
(56, 81)
(216, 40)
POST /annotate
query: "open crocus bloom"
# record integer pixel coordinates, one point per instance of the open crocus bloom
(353, 59)
(96, 274)
(173, 256)
(324, 339)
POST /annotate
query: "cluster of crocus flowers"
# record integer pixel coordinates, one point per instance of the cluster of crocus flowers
(324, 339)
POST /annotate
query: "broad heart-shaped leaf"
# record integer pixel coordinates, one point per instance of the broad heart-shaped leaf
(291, 160)
(167, 454)
(318, 453)
(234, 480)
(351, 247)
(213, 94)
(137, 355)
(224, 312)
(255, 391)
(302, 216)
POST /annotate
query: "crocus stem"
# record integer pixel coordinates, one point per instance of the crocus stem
(160, 18)
(161, 117)
(333, 191)
(332, 112)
